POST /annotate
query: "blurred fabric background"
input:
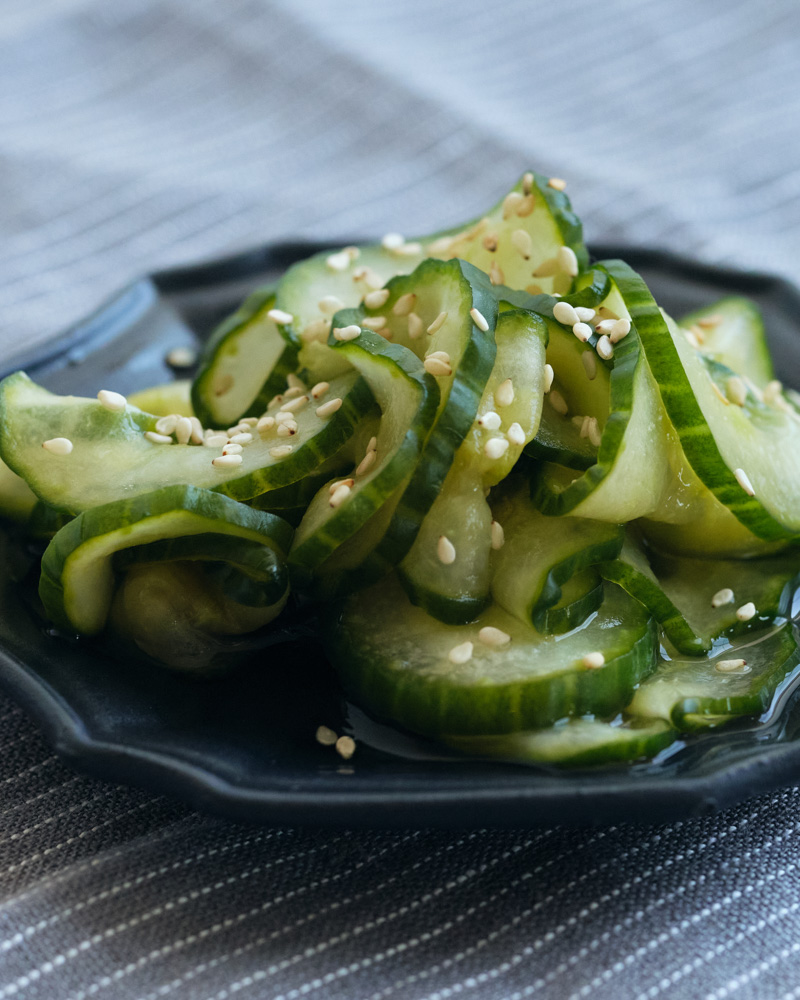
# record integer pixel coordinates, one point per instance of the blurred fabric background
(136, 134)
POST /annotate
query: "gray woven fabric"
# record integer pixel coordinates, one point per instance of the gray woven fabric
(143, 133)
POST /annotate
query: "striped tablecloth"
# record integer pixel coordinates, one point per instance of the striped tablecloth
(144, 133)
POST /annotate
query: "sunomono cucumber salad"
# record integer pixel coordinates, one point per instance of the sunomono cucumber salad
(529, 514)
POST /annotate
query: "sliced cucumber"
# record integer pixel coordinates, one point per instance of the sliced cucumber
(581, 596)
(731, 331)
(245, 363)
(541, 554)
(17, 500)
(458, 590)
(77, 581)
(162, 400)
(112, 458)
(699, 693)
(403, 670)
(576, 743)
(559, 441)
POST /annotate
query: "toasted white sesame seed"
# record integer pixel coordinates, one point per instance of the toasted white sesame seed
(522, 243)
(327, 737)
(504, 395)
(604, 326)
(374, 300)
(404, 304)
(479, 320)
(773, 391)
(595, 437)
(746, 612)
(58, 446)
(461, 653)
(328, 409)
(589, 363)
(691, 339)
(222, 385)
(567, 261)
(298, 403)
(491, 636)
(373, 444)
(547, 268)
(557, 183)
(375, 323)
(415, 326)
(438, 367)
(496, 274)
(366, 463)
(352, 252)
(197, 430)
(442, 355)
(566, 314)
(579, 421)
(489, 242)
(490, 420)
(243, 438)
(347, 332)
(527, 183)
(319, 389)
(731, 666)
(594, 660)
(113, 401)
(287, 428)
(437, 324)
(724, 596)
(709, 322)
(445, 551)
(495, 448)
(516, 435)
(605, 348)
(226, 461)
(409, 250)
(585, 421)
(349, 483)
(548, 377)
(582, 331)
(558, 402)
(338, 261)
(216, 440)
(231, 448)
(166, 425)
(317, 330)
(744, 481)
(736, 390)
(280, 316)
(510, 203)
(281, 451)
(330, 304)
(392, 241)
(281, 417)
(181, 357)
(183, 430)
(699, 333)
(619, 330)
(369, 276)
(498, 535)
(155, 438)
(346, 747)
(441, 246)
(585, 315)
(339, 495)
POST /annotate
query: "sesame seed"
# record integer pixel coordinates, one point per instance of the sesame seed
(440, 246)
(516, 435)
(409, 249)
(279, 316)
(281, 417)
(226, 461)
(585, 421)
(510, 203)
(558, 402)
(724, 596)
(522, 243)
(498, 535)
(709, 322)
(731, 666)
(445, 551)
(374, 300)
(244, 438)
(231, 448)
(166, 425)
(155, 438)
(327, 737)
(736, 390)
(495, 448)
(565, 313)
(595, 436)
(374, 322)
(181, 357)
(330, 304)
(338, 261)
(223, 385)
(584, 314)
(298, 403)
(547, 268)
(567, 261)
(415, 326)
(717, 391)
(496, 275)
(578, 421)
(582, 331)
(605, 348)
(589, 363)
(281, 451)
(504, 395)
(352, 252)
(489, 242)
(619, 330)
(557, 183)
(287, 428)
(437, 366)
(197, 430)
(340, 482)
(746, 612)
(549, 374)
(490, 420)
(479, 320)
(347, 332)
(443, 355)
(526, 206)
(373, 444)
(320, 389)
(461, 653)
(699, 334)
(328, 409)
(366, 463)
(294, 385)
(594, 660)
(404, 304)
(491, 636)
(773, 392)
(744, 481)
(369, 276)
(392, 241)
(527, 183)
(58, 446)
(113, 401)
(183, 430)
(346, 747)
(437, 324)
(339, 495)
(692, 340)
(216, 441)
(317, 329)
(604, 326)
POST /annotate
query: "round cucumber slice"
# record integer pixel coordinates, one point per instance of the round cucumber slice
(731, 331)
(162, 400)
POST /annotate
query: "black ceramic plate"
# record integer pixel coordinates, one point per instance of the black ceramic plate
(247, 748)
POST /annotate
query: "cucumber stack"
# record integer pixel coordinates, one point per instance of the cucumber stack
(530, 514)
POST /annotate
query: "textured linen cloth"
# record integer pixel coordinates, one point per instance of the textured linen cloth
(137, 134)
